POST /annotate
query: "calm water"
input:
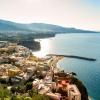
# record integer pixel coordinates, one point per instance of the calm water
(87, 45)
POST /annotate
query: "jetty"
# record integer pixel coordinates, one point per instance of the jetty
(73, 56)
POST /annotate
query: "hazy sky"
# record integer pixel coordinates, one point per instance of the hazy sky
(84, 14)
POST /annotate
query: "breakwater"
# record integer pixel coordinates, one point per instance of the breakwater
(73, 56)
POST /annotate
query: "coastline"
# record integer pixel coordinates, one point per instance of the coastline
(21, 66)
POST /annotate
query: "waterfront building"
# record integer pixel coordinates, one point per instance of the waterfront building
(73, 92)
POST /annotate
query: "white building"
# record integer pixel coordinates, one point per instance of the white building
(73, 93)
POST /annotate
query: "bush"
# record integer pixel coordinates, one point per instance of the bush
(7, 99)
(4, 93)
(33, 92)
(27, 98)
(16, 98)
(40, 97)
(19, 89)
(13, 90)
(28, 86)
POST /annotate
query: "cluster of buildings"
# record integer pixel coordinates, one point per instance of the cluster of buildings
(18, 65)
(57, 87)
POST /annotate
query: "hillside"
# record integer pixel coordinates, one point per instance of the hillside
(8, 26)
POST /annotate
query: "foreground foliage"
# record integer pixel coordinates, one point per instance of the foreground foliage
(23, 92)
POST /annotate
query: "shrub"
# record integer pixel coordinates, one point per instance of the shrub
(28, 86)
(19, 89)
(27, 98)
(16, 98)
(40, 97)
(7, 99)
(13, 90)
(4, 92)
(33, 92)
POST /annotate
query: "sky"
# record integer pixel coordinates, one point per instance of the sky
(83, 14)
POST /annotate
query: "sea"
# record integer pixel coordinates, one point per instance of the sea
(79, 44)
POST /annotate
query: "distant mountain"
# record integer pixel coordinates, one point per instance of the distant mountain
(8, 26)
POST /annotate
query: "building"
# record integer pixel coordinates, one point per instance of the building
(73, 92)
(3, 44)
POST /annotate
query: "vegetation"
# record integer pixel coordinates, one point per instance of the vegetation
(26, 92)
(23, 92)
(16, 37)
(28, 86)
(40, 97)
(4, 92)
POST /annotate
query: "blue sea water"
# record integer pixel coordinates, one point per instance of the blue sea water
(80, 44)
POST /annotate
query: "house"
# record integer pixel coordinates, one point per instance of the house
(73, 92)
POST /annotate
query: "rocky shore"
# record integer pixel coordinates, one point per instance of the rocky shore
(18, 66)
(31, 44)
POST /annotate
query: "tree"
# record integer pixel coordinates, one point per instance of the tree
(73, 73)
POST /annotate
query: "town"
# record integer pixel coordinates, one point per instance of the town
(19, 66)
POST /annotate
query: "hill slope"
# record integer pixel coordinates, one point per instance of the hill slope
(8, 26)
